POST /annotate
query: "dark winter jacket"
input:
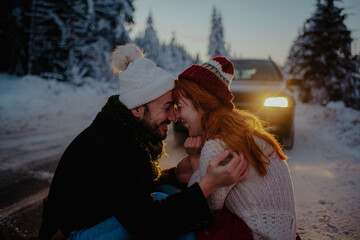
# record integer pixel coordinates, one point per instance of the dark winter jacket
(111, 169)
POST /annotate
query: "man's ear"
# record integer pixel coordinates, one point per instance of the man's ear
(138, 112)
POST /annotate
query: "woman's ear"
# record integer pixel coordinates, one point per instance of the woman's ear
(138, 112)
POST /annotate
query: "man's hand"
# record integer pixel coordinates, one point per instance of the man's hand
(219, 175)
(193, 146)
(184, 170)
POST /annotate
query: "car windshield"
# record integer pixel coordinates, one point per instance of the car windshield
(255, 70)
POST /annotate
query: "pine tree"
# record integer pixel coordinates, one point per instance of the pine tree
(71, 40)
(97, 26)
(352, 87)
(321, 56)
(14, 36)
(77, 22)
(150, 42)
(216, 39)
(197, 59)
(45, 32)
(172, 57)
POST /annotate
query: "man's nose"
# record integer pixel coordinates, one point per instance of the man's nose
(172, 115)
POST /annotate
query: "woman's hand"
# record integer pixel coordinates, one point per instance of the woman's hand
(193, 146)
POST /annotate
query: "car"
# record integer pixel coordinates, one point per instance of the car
(259, 87)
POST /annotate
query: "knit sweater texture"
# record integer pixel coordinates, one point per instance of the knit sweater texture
(265, 204)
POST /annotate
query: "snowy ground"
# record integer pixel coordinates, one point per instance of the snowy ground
(325, 166)
(39, 118)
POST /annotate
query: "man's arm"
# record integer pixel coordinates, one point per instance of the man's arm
(218, 175)
(169, 177)
(189, 204)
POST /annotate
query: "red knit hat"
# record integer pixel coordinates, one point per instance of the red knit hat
(215, 76)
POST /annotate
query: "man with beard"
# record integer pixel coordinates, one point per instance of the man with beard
(103, 183)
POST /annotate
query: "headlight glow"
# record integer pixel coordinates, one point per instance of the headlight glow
(276, 102)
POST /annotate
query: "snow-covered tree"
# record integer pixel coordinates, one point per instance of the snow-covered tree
(216, 39)
(97, 26)
(45, 32)
(352, 87)
(321, 56)
(66, 39)
(172, 57)
(149, 42)
(14, 22)
(197, 59)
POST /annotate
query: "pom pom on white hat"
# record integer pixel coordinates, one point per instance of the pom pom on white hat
(141, 81)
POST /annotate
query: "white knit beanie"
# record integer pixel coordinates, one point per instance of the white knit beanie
(141, 81)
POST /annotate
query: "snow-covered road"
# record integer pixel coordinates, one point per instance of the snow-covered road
(38, 124)
(325, 166)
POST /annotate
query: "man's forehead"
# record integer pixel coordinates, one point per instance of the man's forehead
(165, 99)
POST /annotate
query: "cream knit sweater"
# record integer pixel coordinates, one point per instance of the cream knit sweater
(265, 204)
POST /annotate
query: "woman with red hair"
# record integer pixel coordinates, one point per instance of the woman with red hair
(265, 199)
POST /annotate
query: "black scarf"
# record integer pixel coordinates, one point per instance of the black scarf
(150, 148)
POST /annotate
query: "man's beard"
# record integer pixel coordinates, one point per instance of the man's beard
(153, 128)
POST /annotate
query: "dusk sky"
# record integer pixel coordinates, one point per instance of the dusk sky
(252, 28)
